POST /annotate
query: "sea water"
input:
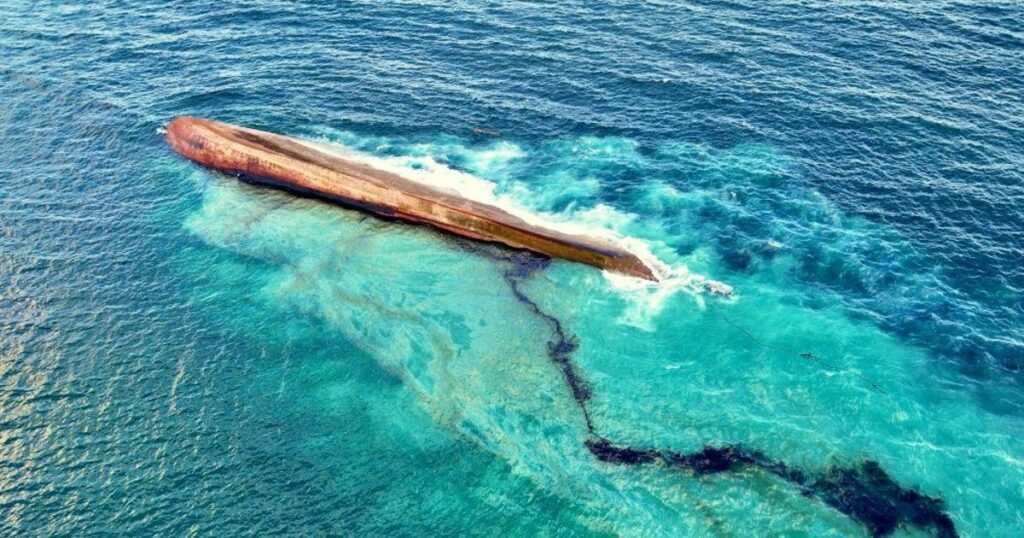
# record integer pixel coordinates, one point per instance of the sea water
(181, 353)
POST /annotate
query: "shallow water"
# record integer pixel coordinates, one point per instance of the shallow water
(181, 353)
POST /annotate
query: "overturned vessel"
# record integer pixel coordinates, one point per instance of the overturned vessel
(304, 168)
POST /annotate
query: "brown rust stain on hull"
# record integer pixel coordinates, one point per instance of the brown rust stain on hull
(294, 165)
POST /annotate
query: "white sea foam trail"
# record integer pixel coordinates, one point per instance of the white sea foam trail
(646, 297)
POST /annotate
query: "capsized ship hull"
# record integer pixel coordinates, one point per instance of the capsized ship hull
(298, 166)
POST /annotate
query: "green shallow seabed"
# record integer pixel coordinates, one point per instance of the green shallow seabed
(400, 361)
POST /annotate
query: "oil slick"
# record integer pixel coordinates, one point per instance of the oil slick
(865, 493)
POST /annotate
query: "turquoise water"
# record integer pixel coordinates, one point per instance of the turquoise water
(181, 353)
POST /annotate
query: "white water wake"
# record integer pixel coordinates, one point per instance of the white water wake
(646, 299)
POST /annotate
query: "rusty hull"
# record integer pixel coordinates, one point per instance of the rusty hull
(294, 165)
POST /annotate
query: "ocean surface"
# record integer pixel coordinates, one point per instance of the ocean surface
(184, 354)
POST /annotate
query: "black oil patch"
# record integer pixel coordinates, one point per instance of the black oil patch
(864, 493)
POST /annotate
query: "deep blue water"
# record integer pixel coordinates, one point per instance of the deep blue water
(181, 354)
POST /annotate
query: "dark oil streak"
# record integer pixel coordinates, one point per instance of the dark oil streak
(866, 493)
(561, 347)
